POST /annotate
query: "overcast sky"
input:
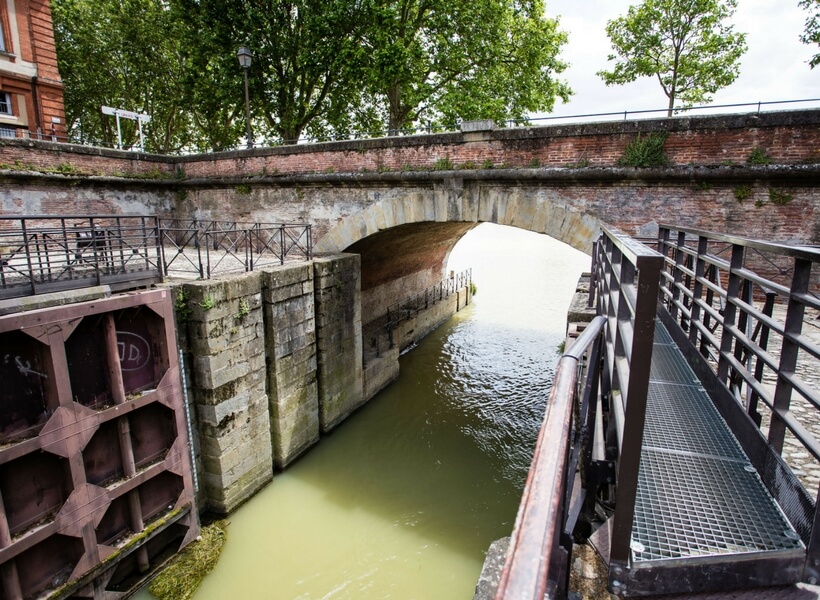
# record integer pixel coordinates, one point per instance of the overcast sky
(773, 68)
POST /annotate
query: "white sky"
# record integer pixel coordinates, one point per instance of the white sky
(773, 68)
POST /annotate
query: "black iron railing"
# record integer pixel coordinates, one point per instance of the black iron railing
(625, 277)
(745, 307)
(206, 248)
(52, 253)
(383, 336)
(43, 254)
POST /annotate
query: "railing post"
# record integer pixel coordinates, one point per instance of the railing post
(634, 394)
(677, 276)
(789, 351)
(697, 291)
(751, 405)
(730, 312)
(160, 238)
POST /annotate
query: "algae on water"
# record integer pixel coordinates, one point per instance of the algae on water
(182, 577)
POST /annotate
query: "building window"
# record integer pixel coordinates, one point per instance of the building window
(5, 104)
(2, 39)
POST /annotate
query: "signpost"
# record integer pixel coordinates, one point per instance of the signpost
(140, 118)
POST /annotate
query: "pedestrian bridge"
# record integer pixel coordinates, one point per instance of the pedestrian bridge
(663, 446)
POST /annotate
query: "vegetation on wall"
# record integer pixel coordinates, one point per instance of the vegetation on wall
(646, 151)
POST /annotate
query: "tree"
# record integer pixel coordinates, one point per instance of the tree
(123, 54)
(811, 34)
(306, 57)
(439, 61)
(686, 44)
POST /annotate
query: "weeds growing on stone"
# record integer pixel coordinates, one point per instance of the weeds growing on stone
(646, 151)
(758, 157)
(779, 198)
(742, 192)
(183, 576)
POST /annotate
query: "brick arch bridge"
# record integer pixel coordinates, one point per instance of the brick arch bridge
(402, 203)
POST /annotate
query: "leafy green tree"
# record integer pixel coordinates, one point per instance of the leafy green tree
(811, 34)
(306, 57)
(438, 61)
(686, 44)
(125, 54)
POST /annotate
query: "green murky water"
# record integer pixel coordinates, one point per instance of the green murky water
(403, 499)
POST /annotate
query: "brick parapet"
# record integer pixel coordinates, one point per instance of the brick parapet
(787, 137)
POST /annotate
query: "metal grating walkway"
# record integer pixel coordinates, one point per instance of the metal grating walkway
(698, 495)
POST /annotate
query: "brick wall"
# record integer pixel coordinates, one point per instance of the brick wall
(788, 138)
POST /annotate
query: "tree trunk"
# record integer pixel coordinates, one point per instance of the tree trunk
(671, 104)
(395, 120)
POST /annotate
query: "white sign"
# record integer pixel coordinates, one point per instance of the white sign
(140, 118)
(126, 114)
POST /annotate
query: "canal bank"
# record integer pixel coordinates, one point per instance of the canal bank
(405, 497)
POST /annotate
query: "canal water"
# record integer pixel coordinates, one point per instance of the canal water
(404, 498)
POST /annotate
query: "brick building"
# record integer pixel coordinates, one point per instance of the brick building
(31, 92)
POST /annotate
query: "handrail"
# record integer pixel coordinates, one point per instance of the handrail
(412, 305)
(49, 253)
(533, 568)
(625, 281)
(802, 251)
(745, 315)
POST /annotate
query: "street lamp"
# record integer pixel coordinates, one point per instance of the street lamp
(245, 56)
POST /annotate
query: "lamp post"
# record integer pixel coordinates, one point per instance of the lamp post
(245, 56)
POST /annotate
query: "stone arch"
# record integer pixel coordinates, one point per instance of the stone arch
(539, 210)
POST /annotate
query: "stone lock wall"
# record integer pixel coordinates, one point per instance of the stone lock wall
(274, 357)
(226, 345)
(291, 351)
(339, 337)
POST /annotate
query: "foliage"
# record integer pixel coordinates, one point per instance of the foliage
(181, 306)
(324, 68)
(125, 54)
(307, 58)
(811, 33)
(742, 192)
(758, 157)
(581, 163)
(473, 288)
(443, 164)
(243, 188)
(436, 62)
(646, 151)
(180, 580)
(686, 44)
(208, 302)
(243, 310)
(779, 198)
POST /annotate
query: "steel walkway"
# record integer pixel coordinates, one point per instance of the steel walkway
(698, 493)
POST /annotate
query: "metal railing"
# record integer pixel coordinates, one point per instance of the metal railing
(43, 254)
(537, 564)
(625, 280)
(52, 253)
(750, 330)
(383, 338)
(205, 248)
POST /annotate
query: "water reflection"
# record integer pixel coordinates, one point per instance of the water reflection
(404, 498)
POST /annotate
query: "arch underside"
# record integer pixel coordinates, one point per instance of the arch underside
(404, 242)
